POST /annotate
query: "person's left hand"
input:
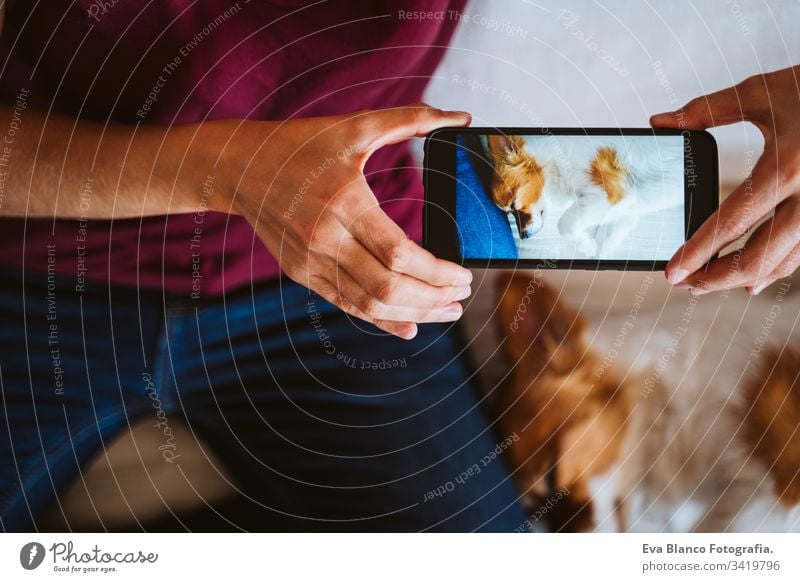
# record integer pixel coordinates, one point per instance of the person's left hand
(772, 103)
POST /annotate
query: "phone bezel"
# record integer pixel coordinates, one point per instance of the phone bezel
(439, 234)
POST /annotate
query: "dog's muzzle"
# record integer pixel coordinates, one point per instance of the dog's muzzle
(526, 226)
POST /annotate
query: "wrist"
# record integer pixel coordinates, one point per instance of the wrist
(195, 157)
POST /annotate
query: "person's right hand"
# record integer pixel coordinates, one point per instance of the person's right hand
(772, 191)
(301, 185)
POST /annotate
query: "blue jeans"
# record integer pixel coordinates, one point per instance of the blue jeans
(324, 422)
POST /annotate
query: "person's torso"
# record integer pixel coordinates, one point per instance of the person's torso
(181, 61)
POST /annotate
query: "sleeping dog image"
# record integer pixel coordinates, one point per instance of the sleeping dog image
(594, 188)
(708, 443)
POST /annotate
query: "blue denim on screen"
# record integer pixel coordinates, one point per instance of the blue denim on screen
(483, 229)
(324, 422)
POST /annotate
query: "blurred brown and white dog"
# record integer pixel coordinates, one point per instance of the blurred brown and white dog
(690, 430)
(582, 185)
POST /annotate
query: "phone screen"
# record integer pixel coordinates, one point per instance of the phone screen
(569, 197)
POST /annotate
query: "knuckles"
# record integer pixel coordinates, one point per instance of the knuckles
(734, 225)
(387, 290)
(397, 256)
(323, 239)
(696, 106)
(370, 305)
(753, 96)
(752, 85)
(789, 171)
(362, 131)
(344, 303)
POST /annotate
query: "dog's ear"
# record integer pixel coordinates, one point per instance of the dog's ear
(535, 322)
(501, 145)
(498, 144)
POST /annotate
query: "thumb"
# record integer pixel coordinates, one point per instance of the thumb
(720, 108)
(416, 120)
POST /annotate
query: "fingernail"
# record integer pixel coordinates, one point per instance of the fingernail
(676, 277)
(406, 331)
(462, 293)
(463, 278)
(699, 291)
(452, 313)
(682, 286)
(463, 118)
(672, 113)
(759, 288)
(661, 117)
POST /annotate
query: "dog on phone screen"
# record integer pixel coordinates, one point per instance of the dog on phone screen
(594, 192)
(694, 448)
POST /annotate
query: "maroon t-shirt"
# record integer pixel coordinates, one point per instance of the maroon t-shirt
(178, 61)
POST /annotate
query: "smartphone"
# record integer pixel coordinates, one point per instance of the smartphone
(566, 198)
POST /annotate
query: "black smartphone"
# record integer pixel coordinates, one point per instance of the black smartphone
(566, 198)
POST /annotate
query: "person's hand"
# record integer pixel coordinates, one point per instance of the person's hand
(772, 103)
(301, 185)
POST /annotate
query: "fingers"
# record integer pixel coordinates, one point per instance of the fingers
(390, 245)
(785, 269)
(766, 256)
(387, 301)
(344, 291)
(751, 201)
(744, 102)
(365, 287)
(329, 291)
(358, 258)
(393, 288)
(388, 126)
(335, 286)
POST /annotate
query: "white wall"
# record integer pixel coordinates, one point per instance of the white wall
(544, 68)
(595, 63)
